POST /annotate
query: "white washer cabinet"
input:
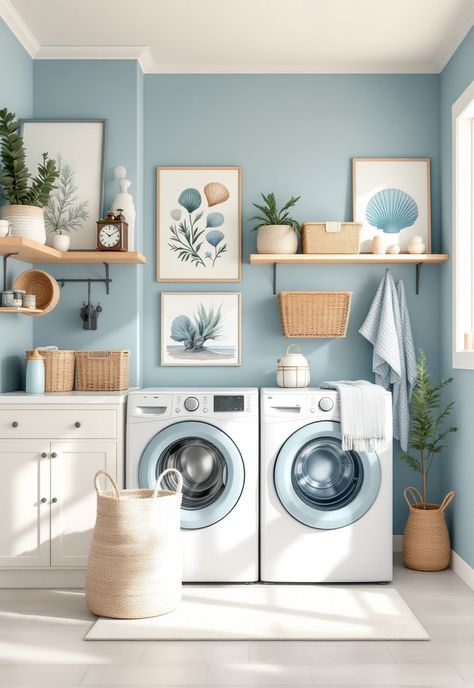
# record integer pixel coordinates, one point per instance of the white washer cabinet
(51, 446)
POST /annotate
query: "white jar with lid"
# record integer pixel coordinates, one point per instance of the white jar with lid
(293, 369)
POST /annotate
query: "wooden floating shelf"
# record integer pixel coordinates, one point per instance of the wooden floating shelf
(19, 309)
(32, 252)
(346, 259)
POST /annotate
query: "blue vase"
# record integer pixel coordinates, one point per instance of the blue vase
(34, 373)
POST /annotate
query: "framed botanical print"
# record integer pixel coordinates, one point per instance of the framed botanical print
(391, 197)
(199, 224)
(200, 329)
(76, 203)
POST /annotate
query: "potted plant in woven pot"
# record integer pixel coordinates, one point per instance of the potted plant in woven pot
(426, 543)
(277, 231)
(25, 196)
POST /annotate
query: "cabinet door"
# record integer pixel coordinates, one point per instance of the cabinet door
(24, 503)
(73, 498)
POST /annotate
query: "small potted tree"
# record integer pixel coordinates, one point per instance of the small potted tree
(426, 543)
(64, 213)
(25, 197)
(277, 232)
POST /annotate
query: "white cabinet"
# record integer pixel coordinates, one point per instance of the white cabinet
(49, 455)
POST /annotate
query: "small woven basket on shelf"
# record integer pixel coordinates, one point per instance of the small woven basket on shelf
(43, 286)
(102, 371)
(315, 238)
(426, 542)
(315, 314)
(58, 369)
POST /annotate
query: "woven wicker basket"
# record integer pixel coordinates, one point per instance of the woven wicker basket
(314, 314)
(135, 561)
(102, 371)
(58, 369)
(316, 239)
(43, 286)
(426, 543)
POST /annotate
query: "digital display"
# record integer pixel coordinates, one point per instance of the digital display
(229, 403)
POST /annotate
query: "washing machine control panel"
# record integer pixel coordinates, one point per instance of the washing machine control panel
(221, 405)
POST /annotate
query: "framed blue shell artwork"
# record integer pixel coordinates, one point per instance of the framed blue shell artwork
(391, 197)
(199, 224)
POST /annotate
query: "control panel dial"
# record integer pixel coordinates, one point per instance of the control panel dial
(191, 404)
(326, 404)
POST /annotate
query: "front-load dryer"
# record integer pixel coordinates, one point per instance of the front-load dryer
(211, 437)
(326, 514)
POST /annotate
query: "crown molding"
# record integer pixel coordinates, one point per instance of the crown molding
(19, 28)
(90, 52)
(455, 37)
(349, 68)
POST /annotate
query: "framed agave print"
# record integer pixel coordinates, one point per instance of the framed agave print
(391, 197)
(199, 224)
(200, 329)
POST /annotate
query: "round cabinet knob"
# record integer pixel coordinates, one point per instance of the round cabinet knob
(43, 500)
(77, 424)
(326, 404)
(15, 424)
(43, 455)
(191, 404)
(53, 455)
(54, 500)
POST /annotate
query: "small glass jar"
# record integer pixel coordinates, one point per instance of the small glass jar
(7, 299)
(18, 297)
(29, 300)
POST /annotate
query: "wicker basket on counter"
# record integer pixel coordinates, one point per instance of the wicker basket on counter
(58, 369)
(102, 371)
(317, 237)
(315, 314)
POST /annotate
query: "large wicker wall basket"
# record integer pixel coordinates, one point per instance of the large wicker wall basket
(135, 562)
(426, 543)
(314, 314)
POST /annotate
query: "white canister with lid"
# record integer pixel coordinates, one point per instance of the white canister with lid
(293, 369)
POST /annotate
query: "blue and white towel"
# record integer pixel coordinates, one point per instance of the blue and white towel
(362, 414)
(387, 327)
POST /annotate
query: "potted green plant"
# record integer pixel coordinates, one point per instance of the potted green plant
(64, 213)
(277, 232)
(25, 197)
(426, 543)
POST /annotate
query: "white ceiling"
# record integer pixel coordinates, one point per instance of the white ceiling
(247, 36)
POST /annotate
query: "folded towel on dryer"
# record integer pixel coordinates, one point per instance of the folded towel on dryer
(362, 414)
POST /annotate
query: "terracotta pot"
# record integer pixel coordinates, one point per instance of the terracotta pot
(426, 542)
(277, 239)
(27, 221)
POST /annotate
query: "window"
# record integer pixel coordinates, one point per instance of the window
(463, 230)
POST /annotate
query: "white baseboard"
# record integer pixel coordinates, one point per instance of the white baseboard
(462, 569)
(42, 578)
(397, 543)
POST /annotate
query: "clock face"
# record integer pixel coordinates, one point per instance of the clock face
(109, 236)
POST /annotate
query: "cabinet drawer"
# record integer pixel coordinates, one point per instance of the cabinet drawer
(58, 424)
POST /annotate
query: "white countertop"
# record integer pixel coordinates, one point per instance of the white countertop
(66, 397)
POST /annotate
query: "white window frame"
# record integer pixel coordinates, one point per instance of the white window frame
(463, 226)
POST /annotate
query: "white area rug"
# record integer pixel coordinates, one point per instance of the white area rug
(274, 612)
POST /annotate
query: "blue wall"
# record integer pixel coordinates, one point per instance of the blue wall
(458, 464)
(16, 89)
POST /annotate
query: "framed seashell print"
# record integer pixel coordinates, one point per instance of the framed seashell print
(391, 197)
(199, 224)
(200, 329)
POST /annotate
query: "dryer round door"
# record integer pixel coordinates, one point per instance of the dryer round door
(211, 466)
(319, 483)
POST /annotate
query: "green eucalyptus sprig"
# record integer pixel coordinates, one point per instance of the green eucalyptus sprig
(270, 215)
(14, 174)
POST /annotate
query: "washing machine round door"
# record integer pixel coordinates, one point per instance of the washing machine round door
(211, 466)
(319, 483)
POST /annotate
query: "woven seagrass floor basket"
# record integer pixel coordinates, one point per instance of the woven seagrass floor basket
(134, 569)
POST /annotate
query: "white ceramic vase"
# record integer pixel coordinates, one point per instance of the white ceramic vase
(123, 200)
(61, 242)
(293, 369)
(277, 239)
(27, 221)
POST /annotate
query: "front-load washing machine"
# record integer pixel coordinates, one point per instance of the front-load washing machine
(326, 514)
(211, 437)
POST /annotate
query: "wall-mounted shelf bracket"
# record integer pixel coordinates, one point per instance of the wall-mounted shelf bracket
(417, 278)
(274, 278)
(107, 280)
(5, 263)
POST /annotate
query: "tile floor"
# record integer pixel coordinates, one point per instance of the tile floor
(41, 644)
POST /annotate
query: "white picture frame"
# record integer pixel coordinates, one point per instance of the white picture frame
(181, 315)
(395, 191)
(199, 224)
(79, 145)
